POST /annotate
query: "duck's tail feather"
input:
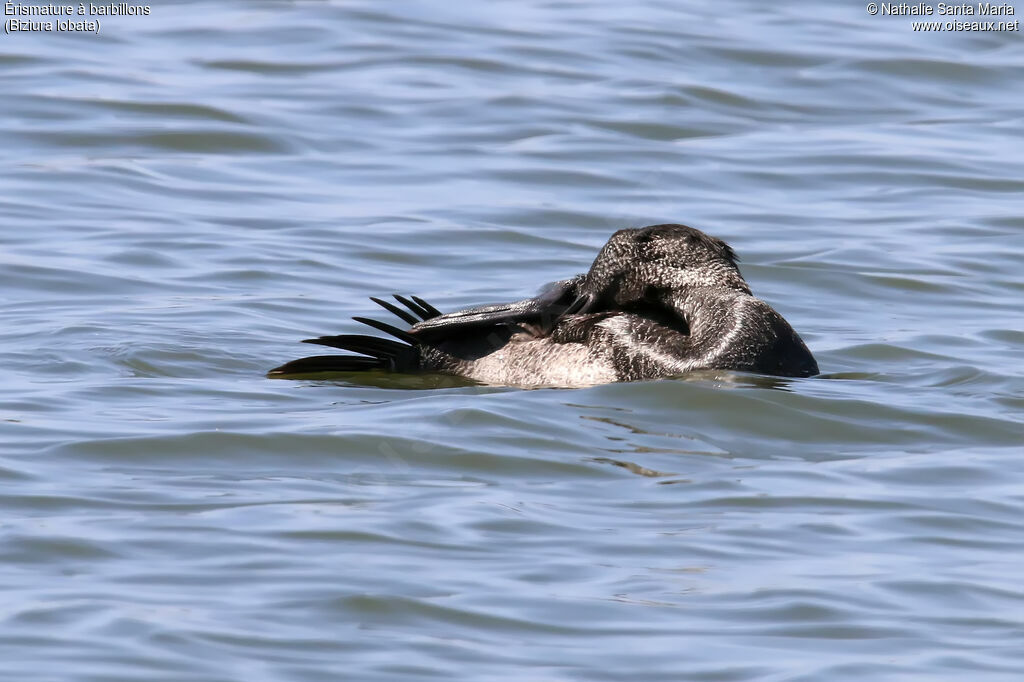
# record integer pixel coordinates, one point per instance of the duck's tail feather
(361, 343)
(326, 363)
(374, 353)
(418, 306)
(420, 309)
(402, 355)
(392, 308)
(388, 329)
(431, 310)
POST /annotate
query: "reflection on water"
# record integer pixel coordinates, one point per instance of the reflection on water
(384, 379)
(631, 467)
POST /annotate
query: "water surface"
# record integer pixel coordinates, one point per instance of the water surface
(187, 195)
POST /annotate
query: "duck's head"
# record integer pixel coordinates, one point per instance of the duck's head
(644, 263)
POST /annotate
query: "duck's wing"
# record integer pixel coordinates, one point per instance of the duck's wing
(464, 335)
(539, 314)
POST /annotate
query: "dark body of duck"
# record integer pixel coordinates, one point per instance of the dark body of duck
(657, 302)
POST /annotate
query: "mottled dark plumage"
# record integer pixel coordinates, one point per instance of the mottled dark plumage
(657, 302)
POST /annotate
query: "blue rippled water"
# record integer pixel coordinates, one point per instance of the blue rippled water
(187, 195)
